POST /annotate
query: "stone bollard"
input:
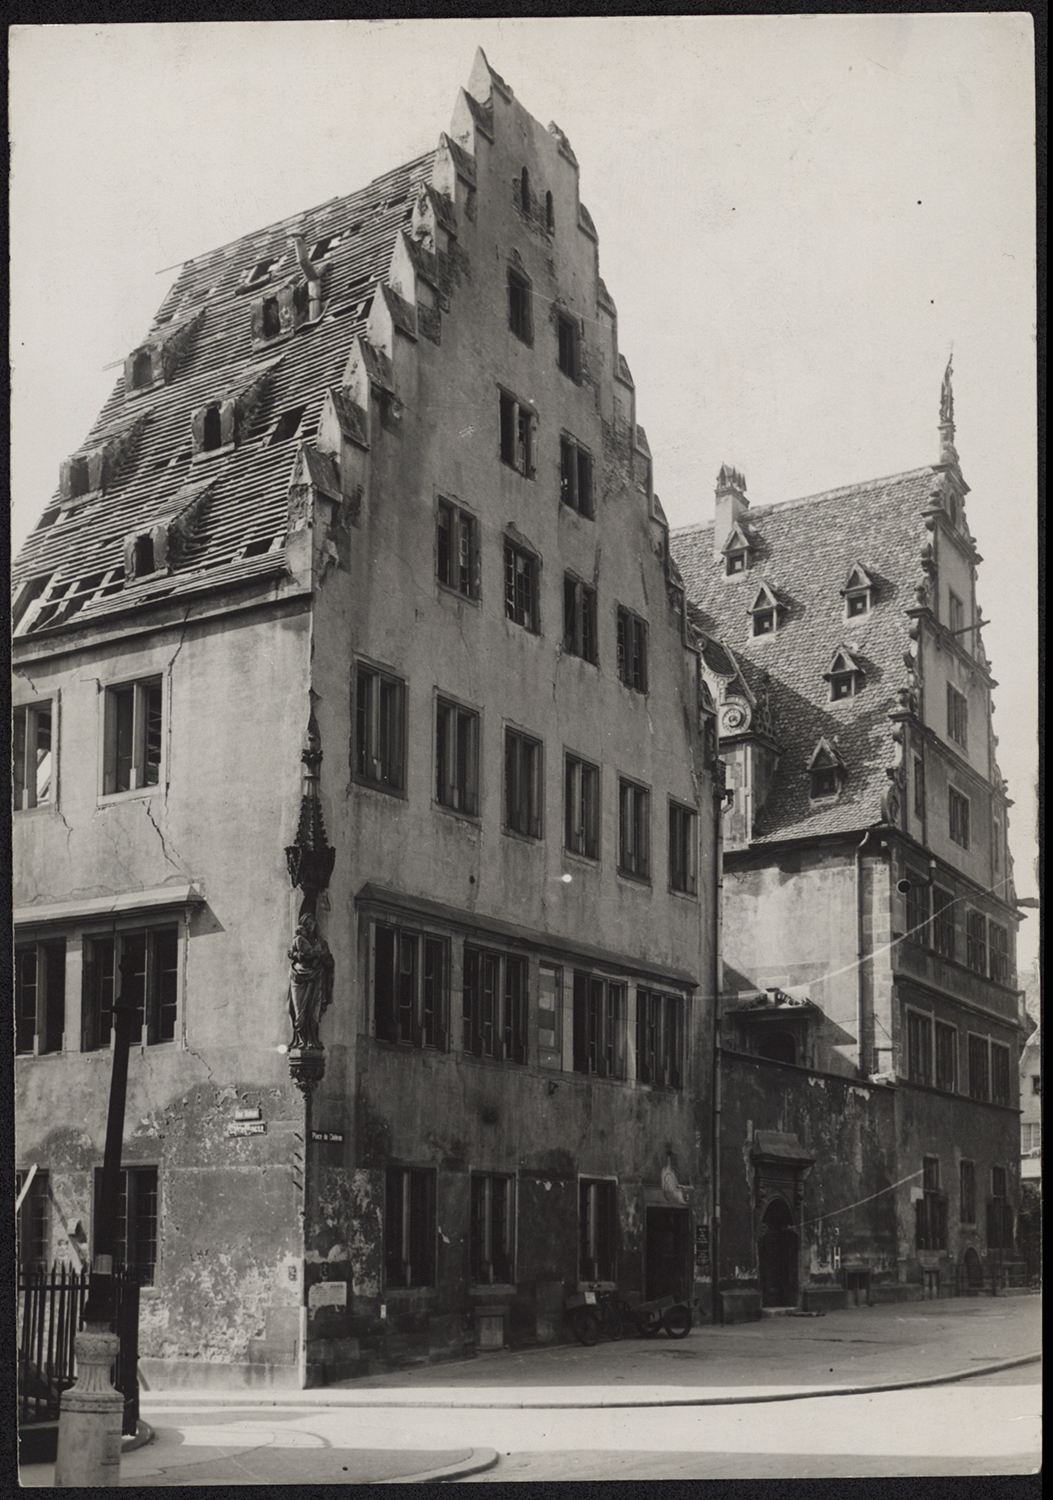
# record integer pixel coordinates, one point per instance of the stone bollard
(90, 1418)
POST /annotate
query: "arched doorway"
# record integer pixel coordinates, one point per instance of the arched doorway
(777, 1255)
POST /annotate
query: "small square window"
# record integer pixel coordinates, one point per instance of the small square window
(133, 729)
(842, 685)
(735, 562)
(763, 622)
(825, 781)
(857, 604)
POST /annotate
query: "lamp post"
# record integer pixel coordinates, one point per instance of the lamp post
(91, 1411)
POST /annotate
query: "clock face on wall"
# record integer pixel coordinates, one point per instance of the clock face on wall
(734, 717)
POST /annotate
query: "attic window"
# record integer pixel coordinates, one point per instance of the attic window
(825, 781)
(845, 676)
(271, 322)
(143, 557)
(142, 371)
(764, 622)
(76, 481)
(288, 425)
(735, 562)
(858, 592)
(212, 431)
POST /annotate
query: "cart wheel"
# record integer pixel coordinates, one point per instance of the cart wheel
(678, 1321)
(612, 1321)
(584, 1325)
(649, 1324)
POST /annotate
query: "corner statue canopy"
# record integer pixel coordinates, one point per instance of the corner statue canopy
(310, 983)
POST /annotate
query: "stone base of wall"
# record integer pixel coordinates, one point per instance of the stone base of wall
(212, 1375)
(895, 1291)
(742, 1306)
(824, 1299)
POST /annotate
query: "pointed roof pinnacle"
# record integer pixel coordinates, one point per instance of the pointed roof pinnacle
(947, 415)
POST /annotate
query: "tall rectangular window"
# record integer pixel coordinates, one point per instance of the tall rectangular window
(456, 757)
(142, 968)
(955, 613)
(979, 1068)
(996, 845)
(967, 1192)
(519, 310)
(599, 1026)
(380, 728)
(999, 1212)
(917, 908)
(575, 477)
(632, 650)
(976, 941)
(597, 1229)
(957, 717)
(998, 952)
(409, 1227)
(931, 1208)
(683, 849)
(457, 549)
(568, 345)
(943, 922)
(919, 787)
(495, 1004)
(550, 1016)
(660, 1038)
(31, 755)
(634, 830)
(33, 1222)
(1000, 1086)
(579, 619)
(958, 817)
(410, 987)
(517, 435)
(40, 996)
(946, 1057)
(522, 587)
(581, 804)
(137, 1219)
(492, 1240)
(523, 763)
(132, 736)
(919, 1048)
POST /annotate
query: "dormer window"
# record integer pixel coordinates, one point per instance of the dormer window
(735, 562)
(142, 371)
(858, 592)
(143, 556)
(826, 772)
(736, 552)
(212, 430)
(764, 612)
(845, 675)
(270, 321)
(75, 480)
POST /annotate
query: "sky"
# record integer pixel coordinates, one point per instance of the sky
(800, 217)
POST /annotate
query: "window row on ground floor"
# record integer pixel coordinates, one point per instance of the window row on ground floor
(933, 1207)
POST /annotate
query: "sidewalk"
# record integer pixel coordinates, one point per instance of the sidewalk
(240, 1437)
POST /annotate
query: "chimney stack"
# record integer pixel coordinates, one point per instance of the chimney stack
(730, 508)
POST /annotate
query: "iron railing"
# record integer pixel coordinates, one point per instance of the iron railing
(50, 1313)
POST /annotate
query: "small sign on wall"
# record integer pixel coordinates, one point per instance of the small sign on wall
(327, 1294)
(247, 1127)
(335, 1137)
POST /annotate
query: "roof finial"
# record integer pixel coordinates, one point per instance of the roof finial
(947, 414)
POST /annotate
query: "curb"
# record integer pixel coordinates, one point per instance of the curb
(478, 1461)
(798, 1393)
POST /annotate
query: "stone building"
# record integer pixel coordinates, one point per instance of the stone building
(361, 747)
(870, 1022)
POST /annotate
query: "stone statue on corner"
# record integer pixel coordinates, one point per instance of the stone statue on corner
(310, 983)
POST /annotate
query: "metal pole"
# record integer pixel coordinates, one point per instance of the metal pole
(91, 1412)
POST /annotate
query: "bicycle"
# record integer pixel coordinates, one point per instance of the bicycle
(595, 1310)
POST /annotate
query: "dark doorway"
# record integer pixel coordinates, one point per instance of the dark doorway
(777, 1256)
(666, 1253)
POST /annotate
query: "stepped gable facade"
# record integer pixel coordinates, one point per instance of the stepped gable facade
(869, 1011)
(362, 749)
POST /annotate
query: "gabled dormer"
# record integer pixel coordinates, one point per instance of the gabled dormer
(165, 540)
(737, 552)
(87, 475)
(844, 675)
(858, 592)
(827, 772)
(764, 612)
(218, 425)
(158, 360)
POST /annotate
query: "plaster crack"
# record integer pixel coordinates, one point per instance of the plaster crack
(176, 864)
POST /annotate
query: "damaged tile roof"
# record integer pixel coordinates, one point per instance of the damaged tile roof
(805, 550)
(73, 564)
